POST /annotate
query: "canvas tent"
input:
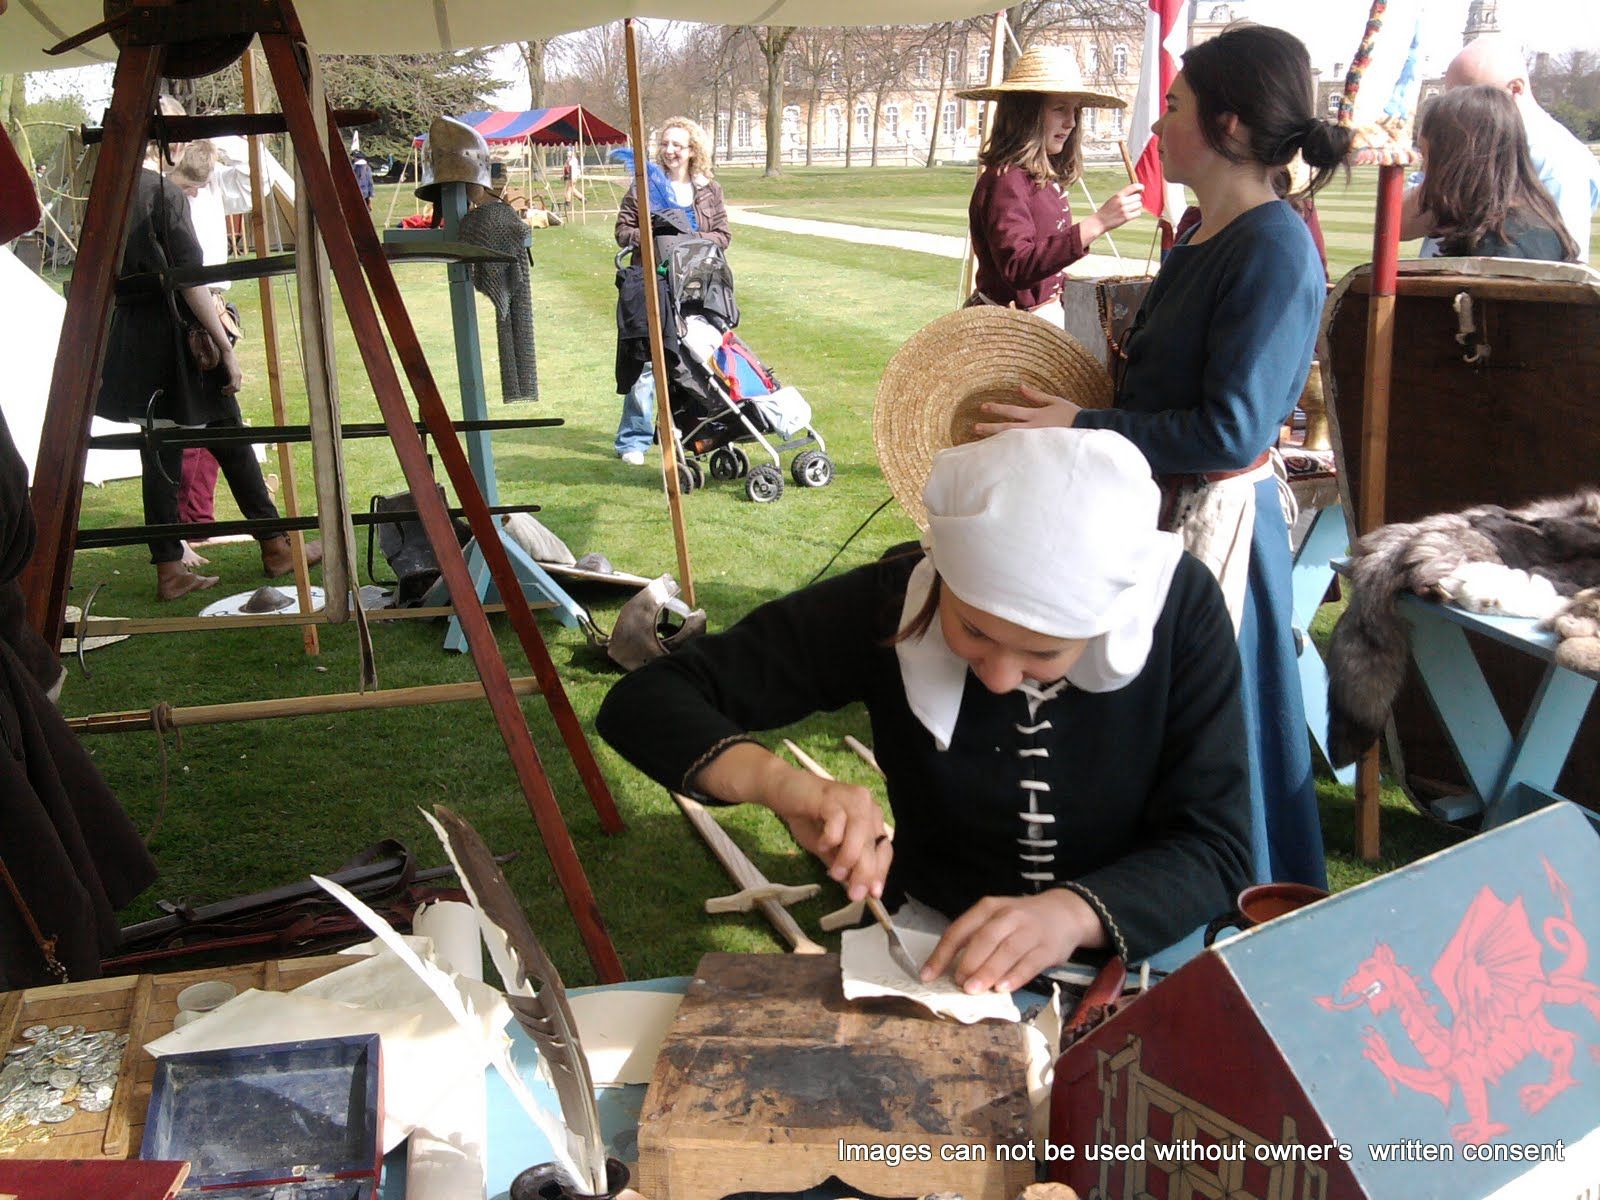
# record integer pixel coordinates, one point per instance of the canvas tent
(30, 326)
(565, 125)
(416, 26)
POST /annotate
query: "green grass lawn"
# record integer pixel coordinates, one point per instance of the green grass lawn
(249, 806)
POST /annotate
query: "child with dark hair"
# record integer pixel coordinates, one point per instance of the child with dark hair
(1023, 234)
(1481, 190)
(1215, 361)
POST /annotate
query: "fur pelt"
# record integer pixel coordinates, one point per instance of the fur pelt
(1558, 539)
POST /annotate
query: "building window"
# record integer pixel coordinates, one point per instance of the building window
(833, 68)
(1094, 59)
(891, 121)
(922, 65)
(1116, 123)
(952, 60)
(833, 122)
(919, 118)
(741, 128)
(1119, 60)
(1333, 105)
(947, 123)
(791, 121)
(983, 65)
(722, 131)
(1091, 121)
(863, 120)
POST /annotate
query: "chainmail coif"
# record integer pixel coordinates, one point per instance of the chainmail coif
(496, 226)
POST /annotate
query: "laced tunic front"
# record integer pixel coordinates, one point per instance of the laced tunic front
(1137, 799)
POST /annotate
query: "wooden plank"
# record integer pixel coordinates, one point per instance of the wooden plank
(111, 626)
(768, 1069)
(115, 1144)
(269, 334)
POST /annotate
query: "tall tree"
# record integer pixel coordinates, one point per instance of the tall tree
(406, 90)
(811, 51)
(949, 29)
(772, 40)
(533, 62)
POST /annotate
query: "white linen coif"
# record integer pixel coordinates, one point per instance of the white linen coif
(1053, 530)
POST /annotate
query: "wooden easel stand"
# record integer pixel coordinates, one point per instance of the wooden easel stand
(344, 224)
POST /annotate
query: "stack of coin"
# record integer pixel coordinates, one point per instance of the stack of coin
(52, 1073)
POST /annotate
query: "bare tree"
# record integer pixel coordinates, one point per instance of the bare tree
(533, 62)
(811, 51)
(949, 29)
(772, 40)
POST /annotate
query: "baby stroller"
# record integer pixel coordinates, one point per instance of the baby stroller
(721, 397)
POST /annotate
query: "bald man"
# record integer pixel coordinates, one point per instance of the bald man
(1565, 166)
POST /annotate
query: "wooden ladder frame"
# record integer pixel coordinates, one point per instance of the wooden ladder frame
(151, 30)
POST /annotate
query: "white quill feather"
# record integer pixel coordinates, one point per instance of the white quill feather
(443, 986)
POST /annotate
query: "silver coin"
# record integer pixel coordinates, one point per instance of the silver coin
(96, 1072)
(41, 1074)
(63, 1078)
(54, 1114)
(34, 1032)
(122, 1040)
(19, 1051)
(94, 1102)
(62, 1031)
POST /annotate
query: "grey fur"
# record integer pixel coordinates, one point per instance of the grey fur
(1557, 538)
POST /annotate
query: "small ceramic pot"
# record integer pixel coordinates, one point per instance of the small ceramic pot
(1261, 903)
(547, 1182)
(203, 997)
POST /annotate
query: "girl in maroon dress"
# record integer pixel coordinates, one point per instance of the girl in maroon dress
(1023, 234)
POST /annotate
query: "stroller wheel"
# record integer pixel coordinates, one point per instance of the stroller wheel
(764, 484)
(724, 465)
(741, 459)
(690, 477)
(812, 468)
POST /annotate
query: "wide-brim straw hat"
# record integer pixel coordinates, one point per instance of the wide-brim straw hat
(932, 391)
(1049, 70)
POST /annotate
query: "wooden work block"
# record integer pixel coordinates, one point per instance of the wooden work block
(770, 1081)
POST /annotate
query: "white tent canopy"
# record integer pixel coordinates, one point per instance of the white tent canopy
(30, 326)
(415, 26)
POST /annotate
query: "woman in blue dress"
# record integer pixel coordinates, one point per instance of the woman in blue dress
(1217, 357)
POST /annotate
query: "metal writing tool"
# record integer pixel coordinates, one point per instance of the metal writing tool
(897, 947)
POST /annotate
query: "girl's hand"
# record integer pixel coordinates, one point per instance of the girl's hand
(1042, 411)
(839, 823)
(1122, 207)
(1002, 942)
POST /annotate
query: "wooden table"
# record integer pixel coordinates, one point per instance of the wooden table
(1509, 774)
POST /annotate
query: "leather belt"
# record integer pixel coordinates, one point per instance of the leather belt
(1172, 482)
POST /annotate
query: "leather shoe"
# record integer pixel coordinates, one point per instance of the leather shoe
(277, 559)
(173, 580)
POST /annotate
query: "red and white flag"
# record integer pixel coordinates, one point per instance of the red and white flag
(1166, 36)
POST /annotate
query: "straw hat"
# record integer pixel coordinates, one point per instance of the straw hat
(1052, 70)
(932, 389)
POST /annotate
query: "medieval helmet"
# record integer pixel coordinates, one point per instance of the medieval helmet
(456, 153)
(645, 629)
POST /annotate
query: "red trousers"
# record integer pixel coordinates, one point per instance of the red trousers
(197, 495)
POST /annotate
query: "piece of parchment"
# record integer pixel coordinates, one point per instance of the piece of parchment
(1043, 1035)
(622, 1032)
(866, 969)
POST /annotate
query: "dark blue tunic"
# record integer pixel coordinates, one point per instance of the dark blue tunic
(1216, 360)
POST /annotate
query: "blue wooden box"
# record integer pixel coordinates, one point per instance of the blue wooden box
(297, 1119)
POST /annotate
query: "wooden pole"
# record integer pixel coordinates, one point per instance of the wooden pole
(293, 706)
(1375, 439)
(57, 492)
(997, 59)
(357, 270)
(666, 431)
(129, 626)
(269, 334)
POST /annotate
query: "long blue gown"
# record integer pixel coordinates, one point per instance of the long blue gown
(1215, 362)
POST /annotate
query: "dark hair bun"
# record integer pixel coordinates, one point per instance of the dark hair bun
(1326, 145)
